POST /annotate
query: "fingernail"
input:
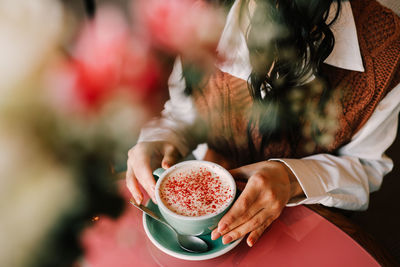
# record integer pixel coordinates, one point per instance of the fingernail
(226, 239)
(165, 165)
(222, 227)
(138, 199)
(153, 193)
(133, 200)
(215, 235)
(250, 242)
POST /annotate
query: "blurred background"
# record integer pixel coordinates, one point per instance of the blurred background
(78, 79)
(75, 87)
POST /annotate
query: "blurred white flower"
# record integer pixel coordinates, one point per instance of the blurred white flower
(35, 190)
(28, 31)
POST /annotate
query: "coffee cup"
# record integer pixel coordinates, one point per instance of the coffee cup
(193, 195)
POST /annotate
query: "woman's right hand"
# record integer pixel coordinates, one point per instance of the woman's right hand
(143, 158)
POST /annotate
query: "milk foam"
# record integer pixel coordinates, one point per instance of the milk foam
(196, 190)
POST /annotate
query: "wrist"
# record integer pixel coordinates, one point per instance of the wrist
(295, 188)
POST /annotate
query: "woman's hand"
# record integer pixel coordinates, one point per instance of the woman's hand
(270, 185)
(142, 159)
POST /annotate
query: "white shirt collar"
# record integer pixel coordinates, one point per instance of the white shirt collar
(345, 54)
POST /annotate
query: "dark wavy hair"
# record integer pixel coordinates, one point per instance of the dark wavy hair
(287, 40)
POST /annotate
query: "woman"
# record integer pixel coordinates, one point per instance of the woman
(301, 111)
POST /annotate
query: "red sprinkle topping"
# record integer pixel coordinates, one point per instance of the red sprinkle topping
(195, 192)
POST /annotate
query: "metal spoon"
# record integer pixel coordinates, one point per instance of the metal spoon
(187, 242)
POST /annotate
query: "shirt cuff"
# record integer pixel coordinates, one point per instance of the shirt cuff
(309, 181)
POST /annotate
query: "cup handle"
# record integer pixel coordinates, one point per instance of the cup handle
(157, 173)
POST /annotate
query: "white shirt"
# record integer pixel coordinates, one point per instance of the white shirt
(342, 181)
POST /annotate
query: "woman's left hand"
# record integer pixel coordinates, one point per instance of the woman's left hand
(270, 185)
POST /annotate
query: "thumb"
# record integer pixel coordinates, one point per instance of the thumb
(171, 156)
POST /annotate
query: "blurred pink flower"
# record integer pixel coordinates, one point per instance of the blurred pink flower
(106, 58)
(188, 27)
(118, 237)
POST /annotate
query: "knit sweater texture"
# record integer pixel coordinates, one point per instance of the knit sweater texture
(225, 104)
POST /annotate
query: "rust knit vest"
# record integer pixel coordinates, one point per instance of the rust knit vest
(225, 103)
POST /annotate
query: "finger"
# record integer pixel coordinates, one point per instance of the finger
(243, 173)
(133, 186)
(255, 222)
(171, 156)
(255, 235)
(242, 210)
(215, 234)
(144, 174)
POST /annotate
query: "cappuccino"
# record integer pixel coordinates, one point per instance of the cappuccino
(196, 190)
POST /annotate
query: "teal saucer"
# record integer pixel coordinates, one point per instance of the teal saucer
(164, 239)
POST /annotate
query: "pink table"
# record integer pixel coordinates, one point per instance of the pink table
(300, 237)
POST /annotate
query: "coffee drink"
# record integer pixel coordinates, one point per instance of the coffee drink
(197, 190)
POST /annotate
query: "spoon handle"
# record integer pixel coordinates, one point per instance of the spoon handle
(150, 213)
(187, 243)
